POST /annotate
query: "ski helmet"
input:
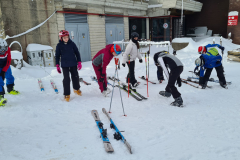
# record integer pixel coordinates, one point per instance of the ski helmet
(63, 33)
(116, 48)
(134, 34)
(202, 49)
(3, 46)
(199, 62)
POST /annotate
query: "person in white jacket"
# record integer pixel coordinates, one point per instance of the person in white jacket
(129, 57)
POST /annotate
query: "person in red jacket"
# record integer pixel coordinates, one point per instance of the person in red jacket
(5, 71)
(100, 62)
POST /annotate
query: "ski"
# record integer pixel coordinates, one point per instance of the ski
(125, 86)
(107, 145)
(95, 79)
(54, 86)
(210, 80)
(40, 84)
(86, 83)
(143, 78)
(189, 84)
(196, 82)
(117, 134)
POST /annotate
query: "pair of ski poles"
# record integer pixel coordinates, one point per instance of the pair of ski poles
(116, 74)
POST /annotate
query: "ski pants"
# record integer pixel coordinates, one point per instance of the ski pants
(66, 79)
(220, 74)
(160, 73)
(9, 79)
(131, 73)
(98, 72)
(173, 76)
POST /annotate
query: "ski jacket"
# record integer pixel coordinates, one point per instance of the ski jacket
(68, 53)
(164, 59)
(210, 46)
(5, 60)
(103, 58)
(131, 50)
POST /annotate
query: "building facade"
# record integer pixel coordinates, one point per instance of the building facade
(92, 24)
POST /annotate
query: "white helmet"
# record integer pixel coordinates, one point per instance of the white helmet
(199, 62)
(3, 46)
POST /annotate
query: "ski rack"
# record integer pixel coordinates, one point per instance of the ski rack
(161, 44)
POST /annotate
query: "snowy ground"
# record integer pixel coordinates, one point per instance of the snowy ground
(41, 126)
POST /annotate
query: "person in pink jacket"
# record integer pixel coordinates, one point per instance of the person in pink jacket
(100, 62)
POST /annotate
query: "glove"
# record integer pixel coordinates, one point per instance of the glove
(2, 74)
(102, 78)
(123, 64)
(140, 61)
(79, 66)
(58, 69)
(218, 62)
(179, 82)
(222, 48)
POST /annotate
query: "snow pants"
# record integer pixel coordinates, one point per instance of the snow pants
(66, 79)
(220, 74)
(173, 76)
(131, 73)
(98, 72)
(9, 80)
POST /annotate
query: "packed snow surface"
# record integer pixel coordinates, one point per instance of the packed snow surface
(39, 125)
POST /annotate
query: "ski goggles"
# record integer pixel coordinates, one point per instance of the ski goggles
(117, 52)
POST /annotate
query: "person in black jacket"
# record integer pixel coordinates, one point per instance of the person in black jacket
(70, 62)
(164, 59)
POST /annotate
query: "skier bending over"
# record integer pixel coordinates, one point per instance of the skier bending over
(175, 65)
(70, 62)
(129, 57)
(5, 72)
(208, 60)
(100, 62)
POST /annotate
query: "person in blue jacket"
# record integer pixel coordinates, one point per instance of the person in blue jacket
(70, 62)
(209, 59)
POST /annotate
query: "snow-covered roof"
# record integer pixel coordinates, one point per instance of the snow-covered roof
(38, 47)
(16, 55)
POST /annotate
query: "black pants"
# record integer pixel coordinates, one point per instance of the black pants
(220, 74)
(160, 73)
(66, 79)
(131, 73)
(173, 76)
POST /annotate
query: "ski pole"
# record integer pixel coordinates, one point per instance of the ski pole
(146, 72)
(113, 89)
(121, 94)
(129, 76)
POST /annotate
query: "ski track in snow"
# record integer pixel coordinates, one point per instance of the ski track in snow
(42, 126)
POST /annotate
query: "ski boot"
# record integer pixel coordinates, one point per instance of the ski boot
(11, 90)
(165, 94)
(67, 98)
(223, 85)
(106, 92)
(178, 102)
(135, 84)
(3, 100)
(78, 92)
(204, 85)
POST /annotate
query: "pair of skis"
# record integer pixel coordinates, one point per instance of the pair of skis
(95, 79)
(124, 87)
(117, 135)
(52, 84)
(211, 80)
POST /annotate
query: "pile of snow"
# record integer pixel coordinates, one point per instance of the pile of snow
(37, 47)
(41, 124)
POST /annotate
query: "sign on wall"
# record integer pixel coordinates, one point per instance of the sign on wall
(165, 25)
(232, 18)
